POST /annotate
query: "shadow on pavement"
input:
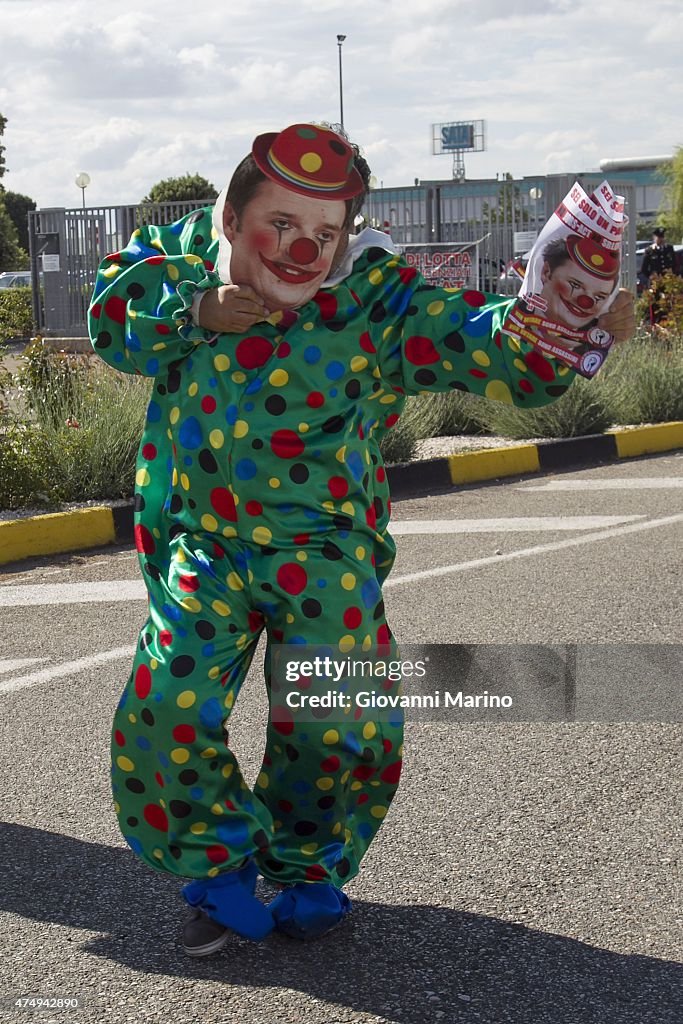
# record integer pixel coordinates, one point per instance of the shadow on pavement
(405, 963)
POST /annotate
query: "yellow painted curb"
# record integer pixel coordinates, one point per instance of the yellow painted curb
(489, 463)
(660, 437)
(54, 532)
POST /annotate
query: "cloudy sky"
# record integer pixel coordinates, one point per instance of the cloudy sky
(136, 92)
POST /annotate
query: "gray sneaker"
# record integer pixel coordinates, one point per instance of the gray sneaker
(202, 936)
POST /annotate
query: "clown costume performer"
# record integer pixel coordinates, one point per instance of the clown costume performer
(262, 504)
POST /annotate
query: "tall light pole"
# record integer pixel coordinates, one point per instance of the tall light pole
(340, 40)
(83, 180)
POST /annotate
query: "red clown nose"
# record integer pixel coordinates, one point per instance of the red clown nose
(585, 302)
(304, 251)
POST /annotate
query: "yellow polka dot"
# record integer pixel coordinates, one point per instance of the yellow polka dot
(186, 699)
(191, 258)
(346, 643)
(262, 780)
(367, 643)
(221, 363)
(174, 415)
(375, 276)
(345, 777)
(198, 828)
(498, 391)
(208, 753)
(125, 764)
(308, 849)
(447, 364)
(355, 786)
(308, 326)
(221, 608)
(434, 308)
(172, 271)
(481, 358)
(328, 506)
(562, 371)
(117, 807)
(180, 555)
(185, 481)
(214, 672)
(378, 811)
(227, 770)
(239, 377)
(180, 755)
(290, 618)
(229, 700)
(358, 363)
(597, 260)
(159, 854)
(325, 783)
(369, 730)
(111, 271)
(349, 508)
(348, 581)
(514, 344)
(235, 582)
(360, 553)
(274, 482)
(387, 399)
(278, 378)
(330, 737)
(336, 829)
(209, 523)
(213, 872)
(310, 162)
(519, 365)
(132, 719)
(262, 535)
(386, 333)
(154, 664)
(191, 604)
(304, 428)
(229, 531)
(340, 454)
(217, 809)
(142, 478)
(216, 438)
(241, 429)
(193, 389)
(301, 556)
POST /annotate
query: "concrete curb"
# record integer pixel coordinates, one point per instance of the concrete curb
(86, 528)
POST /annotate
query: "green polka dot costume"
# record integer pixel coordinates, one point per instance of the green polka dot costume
(262, 504)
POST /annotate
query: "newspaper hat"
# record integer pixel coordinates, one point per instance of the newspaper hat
(309, 159)
(591, 256)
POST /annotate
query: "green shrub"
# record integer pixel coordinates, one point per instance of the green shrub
(582, 410)
(27, 475)
(16, 313)
(642, 381)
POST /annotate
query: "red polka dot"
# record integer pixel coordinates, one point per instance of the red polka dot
(159, 778)
(392, 773)
(209, 264)
(540, 366)
(362, 799)
(223, 503)
(184, 734)
(162, 329)
(282, 720)
(371, 517)
(144, 541)
(255, 621)
(526, 385)
(302, 539)
(253, 508)
(154, 260)
(208, 404)
(383, 635)
(156, 817)
(420, 351)
(315, 399)
(96, 311)
(326, 303)
(286, 444)
(316, 873)
(285, 806)
(391, 419)
(330, 764)
(338, 486)
(353, 617)
(188, 583)
(387, 744)
(381, 475)
(283, 350)
(478, 373)
(363, 772)
(143, 682)
(473, 298)
(253, 352)
(366, 343)
(115, 309)
(407, 274)
(149, 452)
(217, 854)
(292, 577)
(119, 738)
(497, 339)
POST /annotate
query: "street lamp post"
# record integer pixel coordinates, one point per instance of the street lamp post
(340, 40)
(83, 180)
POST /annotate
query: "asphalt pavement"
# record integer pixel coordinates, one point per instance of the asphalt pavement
(527, 872)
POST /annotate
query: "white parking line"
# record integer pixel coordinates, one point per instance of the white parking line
(539, 549)
(614, 483)
(25, 595)
(510, 524)
(68, 668)
(12, 664)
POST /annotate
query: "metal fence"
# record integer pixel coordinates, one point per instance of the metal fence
(494, 220)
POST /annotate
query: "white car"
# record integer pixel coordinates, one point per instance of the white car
(15, 279)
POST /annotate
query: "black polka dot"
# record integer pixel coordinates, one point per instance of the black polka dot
(342, 522)
(103, 340)
(267, 587)
(173, 382)
(180, 808)
(139, 503)
(333, 425)
(458, 385)
(198, 240)
(298, 474)
(174, 851)
(331, 551)
(557, 389)
(379, 611)
(182, 666)
(454, 341)
(274, 865)
(135, 290)
(343, 867)
(378, 313)
(291, 752)
(352, 388)
(207, 461)
(311, 608)
(336, 147)
(188, 776)
(375, 254)
(325, 802)
(152, 571)
(368, 754)
(147, 716)
(257, 443)
(176, 504)
(261, 839)
(205, 630)
(132, 821)
(305, 828)
(275, 405)
(135, 785)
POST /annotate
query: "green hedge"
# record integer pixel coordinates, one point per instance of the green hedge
(16, 313)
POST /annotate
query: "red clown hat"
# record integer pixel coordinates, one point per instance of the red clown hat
(310, 160)
(592, 257)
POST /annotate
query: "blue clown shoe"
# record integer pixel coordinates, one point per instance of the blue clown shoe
(308, 910)
(223, 904)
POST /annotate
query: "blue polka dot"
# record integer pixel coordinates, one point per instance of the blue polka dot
(190, 434)
(231, 414)
(249, 406)
(211, 713)
(477, 324)
(301, 786)
(312, 354)
(351, 744)
(143, 743)
(456, 318)
(196, 792)
(233, 833)
(300, 640)
(253, 386)
(163, 760)
(365, 830)
(133, 343)
(245, 469)
(152, 367)
(370, 593)
(355, 464)
(188, 460)
(213, 382)
(334, 370)
(158, 697)
(208, 650)
(134, 843)
(172, 612)
(322, 584)
(333, 392)
(153, 412)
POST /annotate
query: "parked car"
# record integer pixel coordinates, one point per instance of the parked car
(15, 279)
